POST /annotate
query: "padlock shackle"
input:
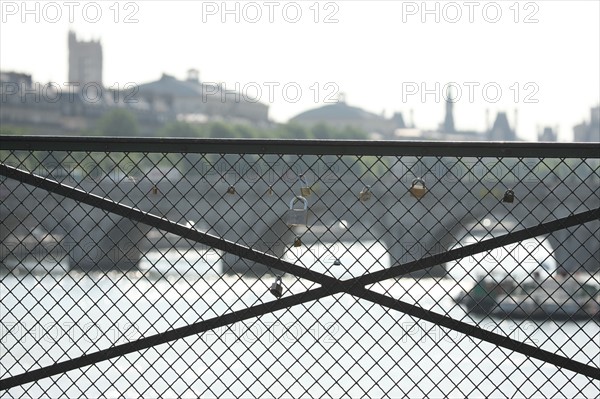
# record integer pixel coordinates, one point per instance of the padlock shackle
(299, 198)
(418, 180)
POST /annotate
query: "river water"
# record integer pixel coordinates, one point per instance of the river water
(334, 347)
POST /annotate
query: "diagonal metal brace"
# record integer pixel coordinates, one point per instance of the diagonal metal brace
(329, 284)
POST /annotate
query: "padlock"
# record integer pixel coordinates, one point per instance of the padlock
(154, 190)
(337, 262)
(305, 190)
(509, 196)
(418, 189)
(297, 217)
(297, 242)
(277, 288)
(231, 190)
(269, 191)
(365, 195)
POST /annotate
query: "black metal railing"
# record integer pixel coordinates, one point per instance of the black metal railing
(218, 268)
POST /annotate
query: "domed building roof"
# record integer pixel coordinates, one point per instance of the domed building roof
(169, 85)
(336, 111)
(342, 115)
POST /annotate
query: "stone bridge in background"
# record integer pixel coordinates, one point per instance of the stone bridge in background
(409, 228)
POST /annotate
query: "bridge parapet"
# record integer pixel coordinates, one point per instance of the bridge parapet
(176, 241)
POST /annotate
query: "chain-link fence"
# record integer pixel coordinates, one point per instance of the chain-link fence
(227, 268)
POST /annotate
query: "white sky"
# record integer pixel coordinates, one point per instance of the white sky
(373, 53)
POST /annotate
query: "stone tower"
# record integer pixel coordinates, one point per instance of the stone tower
(448, 126)
(85, 61)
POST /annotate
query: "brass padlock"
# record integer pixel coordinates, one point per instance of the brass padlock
(297, 217)
(418, 189)
(509, 196)
(365, 195)
(269, 191)
(277, 288)
(231, 190)
(154, 190)
(305, 189)
(297, 242)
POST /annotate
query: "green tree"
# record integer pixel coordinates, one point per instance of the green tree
(118, 122)
(294, 131)
(180, 129)
(13, 130)
(322, 131)
(221, 130)
(247, 132)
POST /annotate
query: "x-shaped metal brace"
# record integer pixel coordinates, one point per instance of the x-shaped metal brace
(328, 285)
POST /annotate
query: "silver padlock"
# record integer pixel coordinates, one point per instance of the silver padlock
(365, 195)
(418, 189)
(297, 217)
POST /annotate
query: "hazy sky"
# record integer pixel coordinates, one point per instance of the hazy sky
(380, 54)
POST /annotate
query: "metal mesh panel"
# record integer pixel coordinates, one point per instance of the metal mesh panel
(149, 269)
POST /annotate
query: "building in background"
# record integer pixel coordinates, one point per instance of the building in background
(85, 61)
(341, 115)
(77, 106)
(548, 134)
(194, 101)
(588, 131)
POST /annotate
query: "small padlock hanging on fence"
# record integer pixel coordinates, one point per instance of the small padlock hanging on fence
(231, 190)
(305, 189)
(509, 196)
(365, 194)
(418, 189)
(297, 217)
(269, 191)
(297, 242)
(277, 288)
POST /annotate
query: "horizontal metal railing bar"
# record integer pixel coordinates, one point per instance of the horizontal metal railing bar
(301, 147)
(479, 247)
(477, 332)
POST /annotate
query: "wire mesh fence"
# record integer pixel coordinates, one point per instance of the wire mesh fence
(227, 268)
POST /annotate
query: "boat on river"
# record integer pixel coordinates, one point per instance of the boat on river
(523, 281)
(557, 297)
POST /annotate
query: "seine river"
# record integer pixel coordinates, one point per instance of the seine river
(338, 346)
